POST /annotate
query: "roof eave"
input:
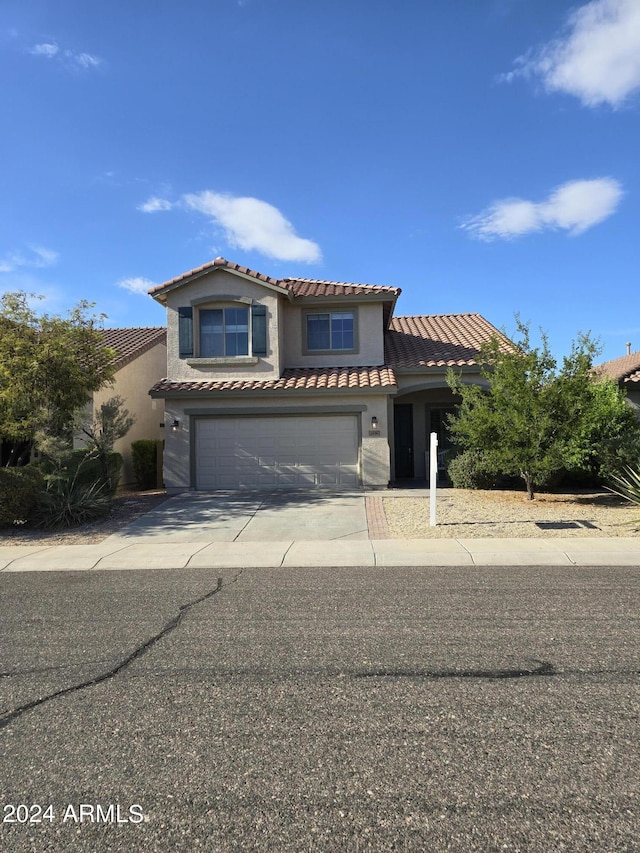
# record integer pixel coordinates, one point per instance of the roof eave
(269, 392)
(434, 368)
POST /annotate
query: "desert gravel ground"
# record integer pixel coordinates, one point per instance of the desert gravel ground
(461, 513)
(466, 513)
(127, 506)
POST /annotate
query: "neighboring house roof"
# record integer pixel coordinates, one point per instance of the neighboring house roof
(623, 369)
(438, 340)
(292, 379)
(131, 343)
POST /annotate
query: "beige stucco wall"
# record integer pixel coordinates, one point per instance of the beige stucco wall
(374, 461)
(132, 382)
(221, 283)
(370, 340)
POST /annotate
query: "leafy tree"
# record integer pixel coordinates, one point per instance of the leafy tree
(49, 367)
(533, 419)
(608, 440)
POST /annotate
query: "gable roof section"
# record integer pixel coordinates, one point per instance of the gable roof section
(624, 369)
(160, 290)
(294, 288)
(438, 340)
(292, 379)
(131, 343)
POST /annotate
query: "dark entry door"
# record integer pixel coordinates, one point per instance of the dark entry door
(403, 439)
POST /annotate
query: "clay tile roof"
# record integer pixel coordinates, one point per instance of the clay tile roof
(130, 343)
(296, 286)
(624, 369)
(320, 287)
(438, 340)
(210, 265)
(292, 379)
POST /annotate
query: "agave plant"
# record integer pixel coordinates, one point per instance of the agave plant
(66, 503)
(627, 484)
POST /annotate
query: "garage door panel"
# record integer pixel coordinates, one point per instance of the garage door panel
(276, 452)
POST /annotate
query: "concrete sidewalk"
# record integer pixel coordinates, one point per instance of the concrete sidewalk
(144, 553)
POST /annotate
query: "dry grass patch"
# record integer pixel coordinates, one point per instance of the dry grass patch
(467, 513)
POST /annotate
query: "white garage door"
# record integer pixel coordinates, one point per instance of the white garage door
(276, 452)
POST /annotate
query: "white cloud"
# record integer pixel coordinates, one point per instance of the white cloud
(598, 57)
(252, 224)
(137, 285)
(84, 60)
(154, 204)
(51, 50)
(573, 207)
(48, 49)
(42, 257)
(34, 256)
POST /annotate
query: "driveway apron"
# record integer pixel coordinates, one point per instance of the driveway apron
(252, 517)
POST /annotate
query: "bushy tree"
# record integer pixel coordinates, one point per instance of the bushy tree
(534, 419)
(110, 422)
(608, 439)
(49, 367)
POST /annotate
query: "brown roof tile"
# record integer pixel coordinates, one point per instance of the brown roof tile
(438, 340)
(130, 343)
(292, 379)
(210, 265)
(320, 287)
(623, 369)
(296, 286)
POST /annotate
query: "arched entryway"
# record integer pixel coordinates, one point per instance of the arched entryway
(417, 412)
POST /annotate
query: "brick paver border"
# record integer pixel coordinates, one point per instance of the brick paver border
(376, 518)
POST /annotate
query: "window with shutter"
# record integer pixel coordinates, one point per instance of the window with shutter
(259, 330)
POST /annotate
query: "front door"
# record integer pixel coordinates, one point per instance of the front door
(403, 439)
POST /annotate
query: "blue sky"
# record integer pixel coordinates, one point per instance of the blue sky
(480, 154)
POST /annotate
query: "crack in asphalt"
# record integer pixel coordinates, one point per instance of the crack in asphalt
(169, 626)
(544, 668)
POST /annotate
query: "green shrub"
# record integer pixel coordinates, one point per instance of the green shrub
(87, 470)
(145, 462)
(82, 465)
(66, 503)
(19, 491)
(473, 470)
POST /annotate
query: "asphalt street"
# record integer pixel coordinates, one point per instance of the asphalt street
(404, 709)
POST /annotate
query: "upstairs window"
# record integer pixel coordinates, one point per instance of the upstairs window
(332, 331)
(224, 332)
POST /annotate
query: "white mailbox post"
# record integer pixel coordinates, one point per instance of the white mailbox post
(433, 477)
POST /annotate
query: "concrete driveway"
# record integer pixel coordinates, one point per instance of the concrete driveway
(252, 517)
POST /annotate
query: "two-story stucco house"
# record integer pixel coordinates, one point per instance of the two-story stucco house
(302, 383)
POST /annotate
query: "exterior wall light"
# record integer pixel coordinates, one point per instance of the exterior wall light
(175, 426)
(374, 422)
